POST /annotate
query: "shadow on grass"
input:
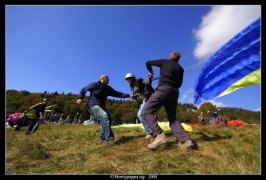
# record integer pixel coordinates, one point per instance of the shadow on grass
(214, 137)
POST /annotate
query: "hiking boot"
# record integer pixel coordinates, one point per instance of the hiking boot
(29, 133)
(188, 145)
(111, 142)
(18, 127)
(102, 141)
(160, 139)
(148, 136)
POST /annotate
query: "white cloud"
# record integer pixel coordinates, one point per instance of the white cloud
(218, 26)
(190, 100)
(217, 104)
(221, 24)
(186, 94)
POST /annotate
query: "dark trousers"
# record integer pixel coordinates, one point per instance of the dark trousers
(31, 126)
(167, 97)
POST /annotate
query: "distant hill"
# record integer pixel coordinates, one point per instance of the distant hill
(123, 110)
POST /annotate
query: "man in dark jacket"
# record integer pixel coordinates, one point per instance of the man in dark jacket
(99, 91)
(221, 116)
(34, 124)
(166, 94)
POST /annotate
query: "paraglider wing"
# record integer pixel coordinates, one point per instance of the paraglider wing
(235, 65)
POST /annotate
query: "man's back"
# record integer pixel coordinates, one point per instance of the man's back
(220, 112)
(171, 73)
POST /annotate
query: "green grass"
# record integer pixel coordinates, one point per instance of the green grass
(74, 149)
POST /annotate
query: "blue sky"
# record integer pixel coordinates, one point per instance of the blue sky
(64, 48)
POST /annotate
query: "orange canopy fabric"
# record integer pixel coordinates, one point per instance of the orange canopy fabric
(236, 123)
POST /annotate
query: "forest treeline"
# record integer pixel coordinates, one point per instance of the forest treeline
(123, 110)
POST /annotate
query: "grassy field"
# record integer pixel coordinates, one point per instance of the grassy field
(74, 149)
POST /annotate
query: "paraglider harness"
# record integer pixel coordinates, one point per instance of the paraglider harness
(145, 91)
(30, 113)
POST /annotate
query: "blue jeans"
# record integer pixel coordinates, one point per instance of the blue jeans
(33, 126)
(212, 120)
(106, 120)
(142, 120)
